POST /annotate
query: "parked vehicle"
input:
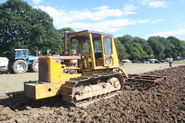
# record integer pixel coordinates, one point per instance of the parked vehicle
(126, 61)
(20, 62)
(3, 64)
(152, 61)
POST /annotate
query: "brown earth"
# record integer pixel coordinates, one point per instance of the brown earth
(164, 103)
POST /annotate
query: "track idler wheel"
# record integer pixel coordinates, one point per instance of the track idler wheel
(114, 82)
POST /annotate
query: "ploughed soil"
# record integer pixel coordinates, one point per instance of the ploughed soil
(164, 103)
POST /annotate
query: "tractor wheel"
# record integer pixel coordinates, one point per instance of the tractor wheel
(35, 66)
(19, 66)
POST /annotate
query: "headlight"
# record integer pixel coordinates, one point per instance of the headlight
(108, 60)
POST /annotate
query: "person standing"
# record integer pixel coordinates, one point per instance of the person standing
(170, 61)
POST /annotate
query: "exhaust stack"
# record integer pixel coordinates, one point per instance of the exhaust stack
(65, 42)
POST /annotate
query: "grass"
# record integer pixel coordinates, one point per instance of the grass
(179, 62)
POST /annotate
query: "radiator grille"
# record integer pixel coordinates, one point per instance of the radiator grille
(43, 70)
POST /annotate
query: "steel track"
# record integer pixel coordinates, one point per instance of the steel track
(69, 89)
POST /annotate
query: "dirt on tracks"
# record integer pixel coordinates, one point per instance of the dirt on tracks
(162, 103)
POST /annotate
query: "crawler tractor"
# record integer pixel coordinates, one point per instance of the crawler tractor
(88, 71)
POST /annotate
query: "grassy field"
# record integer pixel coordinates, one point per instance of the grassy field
(176, 62)
(179, 62)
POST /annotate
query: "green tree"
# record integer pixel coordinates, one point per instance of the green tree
(157, 47)
(126, 40)
(168, 46)
(22, 26)
(183, 48)
(133, 47)
(136, 52)
(145, 46)
(178, 46)
(120, 50)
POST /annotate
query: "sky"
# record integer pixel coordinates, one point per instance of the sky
(142, 18)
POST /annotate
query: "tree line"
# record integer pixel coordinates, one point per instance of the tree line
(22, 26)
(136, 48)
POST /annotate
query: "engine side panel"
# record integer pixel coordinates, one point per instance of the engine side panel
(51, 79)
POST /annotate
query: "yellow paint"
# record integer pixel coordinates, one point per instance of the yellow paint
(47, 90)
(114, 55)
(55, 70)
(92, 52)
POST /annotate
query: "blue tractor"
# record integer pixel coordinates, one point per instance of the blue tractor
(21, 61)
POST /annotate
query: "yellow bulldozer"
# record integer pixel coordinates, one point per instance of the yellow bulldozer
(88, 71)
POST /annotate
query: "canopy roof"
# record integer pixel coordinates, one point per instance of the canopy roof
(85, 33)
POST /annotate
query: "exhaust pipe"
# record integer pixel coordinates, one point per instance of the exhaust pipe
(65, 42)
